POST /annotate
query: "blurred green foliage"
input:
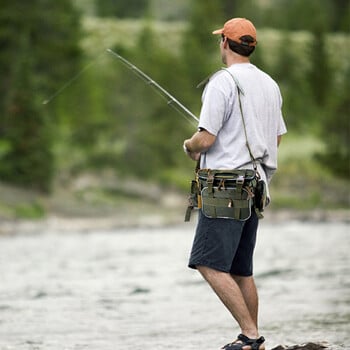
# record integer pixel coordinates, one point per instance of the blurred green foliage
(107, 118)
(39, 43)
(121, 9)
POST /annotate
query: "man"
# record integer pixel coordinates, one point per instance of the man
(223, 248)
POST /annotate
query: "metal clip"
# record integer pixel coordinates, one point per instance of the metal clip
(240, 180)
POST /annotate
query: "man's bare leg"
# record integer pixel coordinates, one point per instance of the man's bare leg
(230, 293)
(250, 295)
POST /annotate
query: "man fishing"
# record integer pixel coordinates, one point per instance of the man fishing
(240, 127)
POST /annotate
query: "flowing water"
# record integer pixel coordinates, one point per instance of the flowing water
(131, 289)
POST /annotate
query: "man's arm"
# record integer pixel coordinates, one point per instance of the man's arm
(200, 142)
(279, 138)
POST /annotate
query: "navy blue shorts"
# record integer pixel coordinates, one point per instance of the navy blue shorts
(225, 244)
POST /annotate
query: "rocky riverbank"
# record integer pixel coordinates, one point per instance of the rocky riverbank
(306, 346)
(145, 216)
(86, 206)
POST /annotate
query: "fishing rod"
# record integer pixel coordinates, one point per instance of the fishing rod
(171, 100)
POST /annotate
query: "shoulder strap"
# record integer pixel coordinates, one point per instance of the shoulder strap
(241, 92)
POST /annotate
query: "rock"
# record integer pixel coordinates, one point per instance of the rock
(306, 346)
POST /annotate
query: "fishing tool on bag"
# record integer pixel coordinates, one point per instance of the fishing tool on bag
(231, 193)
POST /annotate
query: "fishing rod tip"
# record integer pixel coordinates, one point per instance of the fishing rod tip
(112, 52)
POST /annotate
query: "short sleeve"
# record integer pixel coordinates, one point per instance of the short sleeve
(213, 109)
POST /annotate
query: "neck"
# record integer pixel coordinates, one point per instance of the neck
(233, 58)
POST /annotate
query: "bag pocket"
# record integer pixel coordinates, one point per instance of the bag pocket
(227, 203)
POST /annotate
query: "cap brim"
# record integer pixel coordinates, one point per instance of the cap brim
(218, 31)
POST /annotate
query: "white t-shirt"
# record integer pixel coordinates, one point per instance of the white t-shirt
(220, 115)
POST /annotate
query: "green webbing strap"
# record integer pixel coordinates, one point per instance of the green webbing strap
(188, 213)
(258, 213)
(191, 200)
(237, 213)
(239, 183)
(225, 202)
(210, 182)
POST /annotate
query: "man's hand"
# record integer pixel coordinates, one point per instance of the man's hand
(193, 155)
(200, 142)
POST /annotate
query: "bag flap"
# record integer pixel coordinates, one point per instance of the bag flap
(226, 174)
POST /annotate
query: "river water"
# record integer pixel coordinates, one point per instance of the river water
(131, 289)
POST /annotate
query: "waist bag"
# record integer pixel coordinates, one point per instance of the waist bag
(228, 194)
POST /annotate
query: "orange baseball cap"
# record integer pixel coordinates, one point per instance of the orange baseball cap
(235, 28)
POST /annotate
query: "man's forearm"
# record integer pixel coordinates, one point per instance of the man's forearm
(200, 142)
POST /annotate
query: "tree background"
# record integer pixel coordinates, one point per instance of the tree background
(106, 120)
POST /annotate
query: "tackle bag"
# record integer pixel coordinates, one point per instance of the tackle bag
(225, 194)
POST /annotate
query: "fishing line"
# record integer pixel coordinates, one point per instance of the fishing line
(171, 100)
(71, 81)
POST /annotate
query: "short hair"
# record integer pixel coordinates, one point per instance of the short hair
(242, 48)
